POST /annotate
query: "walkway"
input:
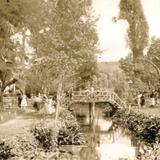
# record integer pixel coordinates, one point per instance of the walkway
(15, 126)
(96, 96)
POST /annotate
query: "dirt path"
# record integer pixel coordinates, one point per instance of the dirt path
(17, 126)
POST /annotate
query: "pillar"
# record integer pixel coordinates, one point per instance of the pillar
(92, 112)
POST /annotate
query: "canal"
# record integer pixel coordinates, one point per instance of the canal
(105, 139)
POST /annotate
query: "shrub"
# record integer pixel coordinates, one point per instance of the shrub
(46, 136)
(146, 128)
(69, 133)
(5, 150)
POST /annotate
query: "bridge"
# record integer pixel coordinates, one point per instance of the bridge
(85, 96)
(96, 97)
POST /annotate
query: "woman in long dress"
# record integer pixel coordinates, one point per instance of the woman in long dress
(24, 101)
(49, 107)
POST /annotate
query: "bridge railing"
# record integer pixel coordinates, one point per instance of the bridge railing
(97, 96)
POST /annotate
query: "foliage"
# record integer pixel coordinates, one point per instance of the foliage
(12, 17)
(64, 42)
(85, 73)
(69, 133)
(142, 72)
(132, 12)
(21, 146)
(41, 141)
(149, 153)
(5, 150)
(154, 52)
(145, 128)
(46, 136)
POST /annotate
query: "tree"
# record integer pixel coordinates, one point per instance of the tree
(15, 15)
(9, 19)
(132, 12)
(66, 39)
(154, 51)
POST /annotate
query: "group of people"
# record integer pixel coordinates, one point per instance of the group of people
(153, 97)
(43, 104)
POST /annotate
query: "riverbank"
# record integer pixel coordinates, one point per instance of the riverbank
(40, 138)
(146, 129)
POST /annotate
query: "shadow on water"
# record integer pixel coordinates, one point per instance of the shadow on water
(105, 139)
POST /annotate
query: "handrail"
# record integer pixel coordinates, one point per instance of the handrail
(85, 95)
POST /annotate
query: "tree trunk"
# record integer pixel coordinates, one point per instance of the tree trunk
(1, 98)
(59, 95)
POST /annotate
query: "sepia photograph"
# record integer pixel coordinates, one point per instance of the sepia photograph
(79, 79)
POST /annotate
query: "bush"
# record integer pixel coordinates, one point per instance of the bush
(20, 147)
(46, 136)
(146, 128)
(5, 150)
(69, 133)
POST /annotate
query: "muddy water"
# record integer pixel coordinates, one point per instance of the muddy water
(105, 140)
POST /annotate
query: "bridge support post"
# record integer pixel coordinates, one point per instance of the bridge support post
(91, 112)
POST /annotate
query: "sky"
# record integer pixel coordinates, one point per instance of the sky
(112, 35)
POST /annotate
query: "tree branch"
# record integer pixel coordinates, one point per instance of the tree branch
(9, 83)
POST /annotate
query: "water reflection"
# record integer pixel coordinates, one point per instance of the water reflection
(106, 140)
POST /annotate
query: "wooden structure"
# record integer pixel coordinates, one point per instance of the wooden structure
(94, 97)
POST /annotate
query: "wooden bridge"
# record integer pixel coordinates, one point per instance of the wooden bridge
(96, 97)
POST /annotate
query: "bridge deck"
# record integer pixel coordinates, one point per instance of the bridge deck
(97, 96)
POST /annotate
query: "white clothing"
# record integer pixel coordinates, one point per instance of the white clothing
(48, 107)
(139, 100)
(153, 101)
(24, 101)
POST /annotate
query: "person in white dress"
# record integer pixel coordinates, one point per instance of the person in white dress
(24, 101)
(139, 100)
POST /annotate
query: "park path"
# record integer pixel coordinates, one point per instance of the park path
(16, 126)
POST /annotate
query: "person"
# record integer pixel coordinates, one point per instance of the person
(142, 101)
(50, 108)
(47, 106)
(24, 101)
(152, 99)
(156, 96)
(37, 101)
(139, 100)
(19, 99)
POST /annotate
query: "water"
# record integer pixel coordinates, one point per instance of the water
(105, 140)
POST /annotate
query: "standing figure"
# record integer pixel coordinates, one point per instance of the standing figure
(24, 101)
(152, 99)
(142, 100)
(19, 99)
(139, 100)
(37, 102)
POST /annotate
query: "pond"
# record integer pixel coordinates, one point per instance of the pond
(105, 139)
